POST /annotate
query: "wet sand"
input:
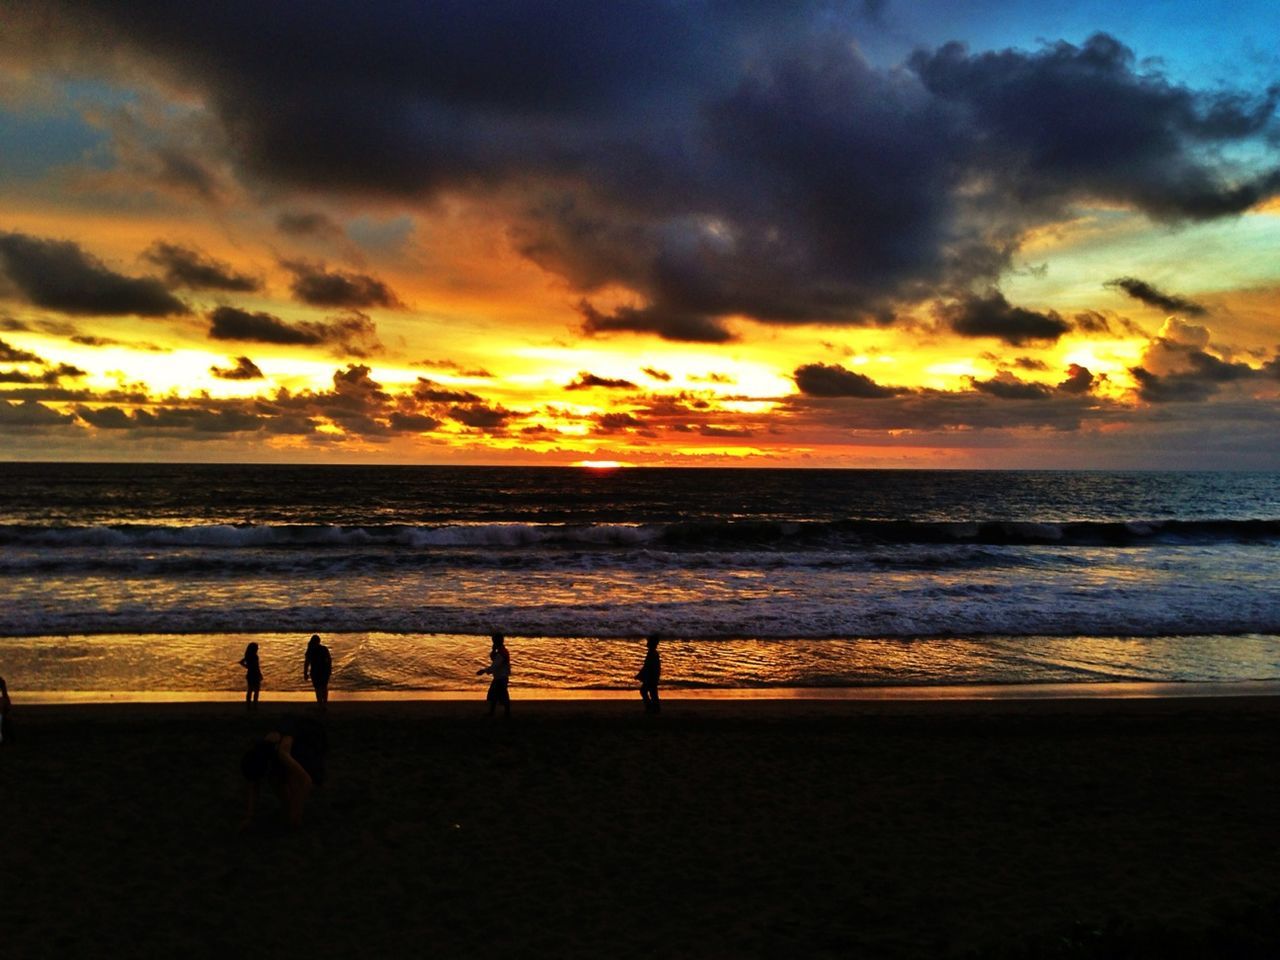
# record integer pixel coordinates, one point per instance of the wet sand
(722, 828)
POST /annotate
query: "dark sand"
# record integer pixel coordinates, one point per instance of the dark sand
(720, 829)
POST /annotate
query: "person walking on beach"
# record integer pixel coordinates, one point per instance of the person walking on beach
(317, 665)
(649, 675)
(252, 674)
(5, 733)
(500, 668)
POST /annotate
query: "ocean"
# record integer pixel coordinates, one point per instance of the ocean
(129, 577)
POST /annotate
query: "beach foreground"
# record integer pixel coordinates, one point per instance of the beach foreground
(760, 828)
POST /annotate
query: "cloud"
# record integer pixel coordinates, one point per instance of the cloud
(29, 414)
(192, 421)
(232, 323)
(58, 275)
(1008, 387)
(314, 284)
(744, 161)
(305, 223)
(1152, 296)
(735, 433)
(1181, 333)
(685, 327)
(245, 369)
(1094, 321)
(480, 417)
(993, 316)
(587, 381)
(413, 423)
(178, 168)
(11, 354)
(454, 367)
(1079, 380)
(50, 376)
(429, 391)
(830, 380)
(184, 267)
(1176, 368)
(352, 335)
(1174, 388)
(614, 422)
(1118, 133)
(661, 375)
(86, 340)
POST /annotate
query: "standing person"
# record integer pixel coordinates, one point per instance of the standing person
(649, 675)
(252, 674)
(317, 665)
(500, 668)
(5, 733)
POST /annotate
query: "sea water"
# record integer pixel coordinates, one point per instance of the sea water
(153, 577)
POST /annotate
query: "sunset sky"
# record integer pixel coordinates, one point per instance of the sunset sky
(948, 233)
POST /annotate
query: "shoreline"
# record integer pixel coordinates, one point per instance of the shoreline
(1005, 694)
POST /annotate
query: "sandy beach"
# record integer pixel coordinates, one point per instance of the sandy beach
(721, 828)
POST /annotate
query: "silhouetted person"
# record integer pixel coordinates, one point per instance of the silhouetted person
(649, 675)
(252, 673)
(6, 734)
(500, 668)
(289, 758)
(317, 665)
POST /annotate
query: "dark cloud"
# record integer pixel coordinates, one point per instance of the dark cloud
(192, 421)
(733, 433)
(11, 354)
(52, 375)
(1174, 388)
(30, 414)
(232, 323)
(744, 160)
(479, 417)
(686, 327)
(351, 335)
(587, 380)
(830, 380)
(1215, 370)
(178, 168)
(301, 223)
(930, 411)
(55, 328)
(86, 340)
(1079, 380)
(613, 422)
(454, 367)
(1153, 296)
(58, 275)
(1008, 387)
(428, 391)
(661, 375)
(1086, 123)
(315, 285)
(1186, 374)
(105, 418)
(993, 316)
(413, 423)
(245, 369)
(184, 267)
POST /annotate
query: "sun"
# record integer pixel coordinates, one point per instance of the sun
(600, 464)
